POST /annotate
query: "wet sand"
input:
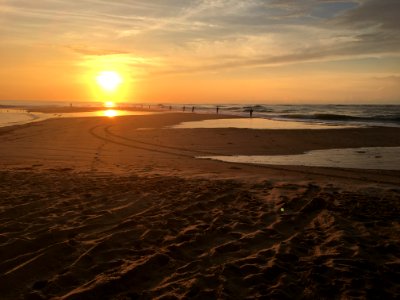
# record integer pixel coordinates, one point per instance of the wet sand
(119, 208)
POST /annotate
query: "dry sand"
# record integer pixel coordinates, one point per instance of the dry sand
(100, 208)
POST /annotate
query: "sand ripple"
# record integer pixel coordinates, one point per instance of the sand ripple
(65, 235)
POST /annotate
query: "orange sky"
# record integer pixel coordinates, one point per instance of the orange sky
(208, 51)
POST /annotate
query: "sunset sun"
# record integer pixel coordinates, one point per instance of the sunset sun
(109, 80)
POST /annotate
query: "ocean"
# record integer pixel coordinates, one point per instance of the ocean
(13, 113)
(364, 115)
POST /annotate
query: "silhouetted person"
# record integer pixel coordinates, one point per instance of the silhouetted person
(251, 112)
(183, 108)
(192, 108)
(170, 107)
(217, 110)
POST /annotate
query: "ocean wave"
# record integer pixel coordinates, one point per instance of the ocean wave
(257, 108)
(342, 117)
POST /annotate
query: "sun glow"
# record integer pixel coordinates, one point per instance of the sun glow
(109, 80)
(109, 104)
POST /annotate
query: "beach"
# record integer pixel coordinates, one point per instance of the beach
(123, 208)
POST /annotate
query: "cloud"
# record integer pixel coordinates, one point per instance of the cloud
(362, 48)
(395, 79)
(381, 13)
(374, 24)
(217, 34)
(86, 50)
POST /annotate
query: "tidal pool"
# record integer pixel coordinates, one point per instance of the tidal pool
(255, 123)
(383, 158)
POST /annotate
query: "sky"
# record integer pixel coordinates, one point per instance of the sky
(202, 51)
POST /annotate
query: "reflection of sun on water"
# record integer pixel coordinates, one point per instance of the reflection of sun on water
(110, 113)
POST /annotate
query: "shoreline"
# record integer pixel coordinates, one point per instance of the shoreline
(283, 116)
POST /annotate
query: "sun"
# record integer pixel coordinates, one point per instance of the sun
(109, 80)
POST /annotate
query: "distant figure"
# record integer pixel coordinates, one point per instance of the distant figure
(183, 108)
(217, 110)
(170, 107)
(251, 112)
(192, 108)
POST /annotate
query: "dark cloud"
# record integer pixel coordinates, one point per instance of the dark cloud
(374, 25)
(382, 13)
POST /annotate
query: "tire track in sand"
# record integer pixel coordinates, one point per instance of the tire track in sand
(94, 131)
(189, 153)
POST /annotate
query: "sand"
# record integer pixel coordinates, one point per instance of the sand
(119, 208)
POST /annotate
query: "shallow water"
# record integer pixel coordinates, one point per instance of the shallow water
(10, 117)
(107, 113)
(254, 123)
(383, 158)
